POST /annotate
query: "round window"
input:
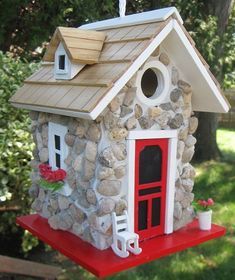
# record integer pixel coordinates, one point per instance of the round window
(153, 83)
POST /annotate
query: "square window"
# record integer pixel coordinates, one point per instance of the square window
(57, 142)
(62, 62)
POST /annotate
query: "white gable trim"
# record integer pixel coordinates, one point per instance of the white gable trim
(171, 172)
(131, 71)
(145, 17)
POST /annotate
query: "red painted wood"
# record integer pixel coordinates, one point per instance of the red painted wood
(105, 263)
(151, 231)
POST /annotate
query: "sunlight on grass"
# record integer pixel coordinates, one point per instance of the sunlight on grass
(226, 142)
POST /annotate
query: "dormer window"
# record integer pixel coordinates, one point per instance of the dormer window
(62, 62)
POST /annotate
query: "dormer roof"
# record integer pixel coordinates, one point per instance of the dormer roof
(81, 46)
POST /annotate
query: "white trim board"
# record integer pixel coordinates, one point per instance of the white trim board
(129, 20)
(171, 172)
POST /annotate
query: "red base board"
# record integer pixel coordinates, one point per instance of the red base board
(105, 263)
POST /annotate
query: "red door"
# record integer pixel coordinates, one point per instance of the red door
(150, 186)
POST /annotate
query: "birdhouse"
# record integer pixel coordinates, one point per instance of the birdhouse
(112, 109)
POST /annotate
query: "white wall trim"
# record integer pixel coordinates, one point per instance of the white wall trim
(171, 172)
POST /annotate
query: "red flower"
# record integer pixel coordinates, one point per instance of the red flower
(50, 175)
(210, 202)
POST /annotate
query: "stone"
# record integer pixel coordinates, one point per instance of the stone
(188, 172)
(186, 88)
(177, 210)
(39, 141)
(77, 229)
(115, 104)
(125, 111)
(138, 111)
(71, 178)
(54, 203)
(131, 123)
(174, 75)
(37, 205)
(106, 206)
(84, 185)
(106, 157)
(186, 217)
(101, 241)
(93, 133)
(78, 163)
(41, 195)
(179, 193)
(91, 151)
(119, 151)
(89, 170)
(187, 184)
(187, 111)
(118, 134)
(129, 97)
(63, 202)
(120, 206)
(164, 59)
(187, 97)
(72, 126)
(193, 124)
(43, 155)
(54, 221)
(188, 198)
(187, 154)
(105, 172)
(77, 214)
(190, 141)
(42, 118)
(33, 126)
(154, 112)
(69, 139)
(80, 130)
(87, 235)
(110, 120)
(34, 191)
(79, 146)
(180, 149)
(145, 122)
(65, 220)
(156, 52)
(163, 119)
(44, 134)
(69, 160)
(91, 196)
(33, 115)
(46, 213)
(166, 106)
(176, 122)
(183, 133)
(175, 94)
(120, 171)
(109, 187)
(34, 164)
(100, 223)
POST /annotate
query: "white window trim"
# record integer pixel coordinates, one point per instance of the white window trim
(57, 69)
(60, 130)
(163, 83)
(171, 172)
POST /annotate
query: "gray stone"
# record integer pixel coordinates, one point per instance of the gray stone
(180, 149)
(71, 178)
(183, 133)
(37, 205)
(65, 220)
(115, 104)
(41, 195)
(125, 111)
(164, 59)
(44, 135)
(84, 185)
(101, 241)
(154, 112)
(63, 202)
(177, 210)
(77, 214)
(163, 119)
(54, 221)
(72, 126)
(188, 172)
(187, 154)
(174, 76)
(187, 184)
(89, 170)
(186, 217)
(46, 213)
(145, 122)
(78, 163)
(79, 146)
(43, 155)
(34, 191)
(42, 118)
(166, 106)
(69, 160)
(39, 141)
(138, 111)
(34, 164)
(131, 123)
(110, 120)
(188, 198)
(77, 229)
(80, 130)
(120, 171)
(120, 206)
(187, 111)
(106, 206)
(109, 187)
(175, 94)
(119, 151)
(91, 151)
(69, 139)
(105, 172)
(91, 196)
(106, 157)
(118, 134)
(33, 126)
(193, 124)
(93, 133)
(33, 115)
(100, 223)
(187, 97)
(179, 193)
(176, 122)
(190, 141)
(129, 97)
(186, 88)
(54, 204)
(59, 119)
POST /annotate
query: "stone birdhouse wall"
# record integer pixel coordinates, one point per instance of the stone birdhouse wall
(97, 159)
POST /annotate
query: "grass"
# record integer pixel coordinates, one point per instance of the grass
(211, 260)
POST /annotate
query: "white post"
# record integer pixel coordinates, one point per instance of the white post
(122, 8)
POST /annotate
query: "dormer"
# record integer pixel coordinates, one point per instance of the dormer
(71, 49)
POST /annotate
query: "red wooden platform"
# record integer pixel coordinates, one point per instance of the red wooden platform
(104, 263)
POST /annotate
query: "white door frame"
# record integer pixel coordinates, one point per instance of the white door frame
(171, 172)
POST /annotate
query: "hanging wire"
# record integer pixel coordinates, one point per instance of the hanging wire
(122, 8)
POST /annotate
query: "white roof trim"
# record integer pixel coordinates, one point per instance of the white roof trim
(145, 17)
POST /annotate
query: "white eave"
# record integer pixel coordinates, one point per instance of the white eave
(141, 18)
